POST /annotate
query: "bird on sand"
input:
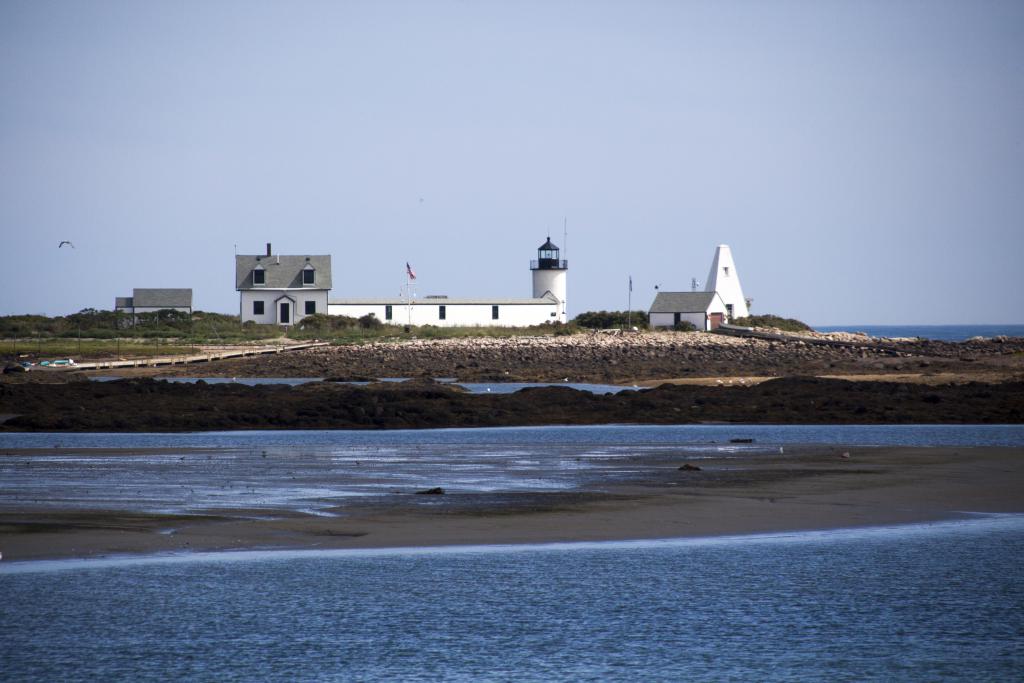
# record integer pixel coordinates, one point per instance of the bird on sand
(67, 242)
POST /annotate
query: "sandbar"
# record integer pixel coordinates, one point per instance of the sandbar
(806, 488)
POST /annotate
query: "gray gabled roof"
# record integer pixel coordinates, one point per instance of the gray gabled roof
(682, 302)
(162, 298)
(282, 272)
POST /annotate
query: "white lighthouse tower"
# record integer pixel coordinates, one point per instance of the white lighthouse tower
(549, 276)
(724, 279)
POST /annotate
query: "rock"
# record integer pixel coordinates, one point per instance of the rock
(741, 441)
(687, 467)
(436, 491)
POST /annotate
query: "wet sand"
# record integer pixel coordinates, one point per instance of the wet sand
(808, 487)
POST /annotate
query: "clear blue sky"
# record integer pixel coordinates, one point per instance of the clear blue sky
(864, 160)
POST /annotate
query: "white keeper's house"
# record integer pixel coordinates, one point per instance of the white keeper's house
(549, 276)
(275, 289)
(721, 301)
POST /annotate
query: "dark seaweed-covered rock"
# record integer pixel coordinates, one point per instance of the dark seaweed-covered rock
(147, 405)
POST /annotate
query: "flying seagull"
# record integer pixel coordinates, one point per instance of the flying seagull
(67, 242)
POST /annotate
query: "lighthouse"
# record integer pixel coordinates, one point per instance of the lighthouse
(549, 276)
(724, 279)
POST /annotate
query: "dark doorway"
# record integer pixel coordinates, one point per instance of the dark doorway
(286, 313)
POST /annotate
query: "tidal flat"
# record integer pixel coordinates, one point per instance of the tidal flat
(82, 495)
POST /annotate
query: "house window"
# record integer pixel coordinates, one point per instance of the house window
(257, 308)
(310, 307)
(494, 312)
(308, 276)
(259, 277)
(442, 312)
(387, 312)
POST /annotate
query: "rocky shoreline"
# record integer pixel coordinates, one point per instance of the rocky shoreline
(630, 358)
(795, 379)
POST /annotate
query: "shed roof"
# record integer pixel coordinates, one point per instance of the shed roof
(682, 302)
(282, 272)
(162, 298)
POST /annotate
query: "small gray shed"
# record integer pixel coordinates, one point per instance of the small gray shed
(704, 310)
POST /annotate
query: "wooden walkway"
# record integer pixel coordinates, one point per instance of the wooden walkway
(156, 361)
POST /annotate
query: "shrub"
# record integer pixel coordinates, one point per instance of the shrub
(600, 320)
(323, 323)
(685, 326)
(777, 322)
(165, 318)
(370, 322)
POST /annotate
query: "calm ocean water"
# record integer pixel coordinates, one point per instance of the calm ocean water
(941, 332)
(941, 602)
(540, 437)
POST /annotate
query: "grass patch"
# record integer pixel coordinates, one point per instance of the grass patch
(50, 348)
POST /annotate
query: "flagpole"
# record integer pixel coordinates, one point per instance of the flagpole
(629, 306)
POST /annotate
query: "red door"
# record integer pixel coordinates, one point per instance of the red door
(716, 320)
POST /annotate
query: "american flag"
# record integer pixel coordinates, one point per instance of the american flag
(409, 271)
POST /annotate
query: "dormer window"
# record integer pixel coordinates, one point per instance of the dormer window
(259, 276)
(308, 275)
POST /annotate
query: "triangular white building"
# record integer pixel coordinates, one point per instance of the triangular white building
(724, 279)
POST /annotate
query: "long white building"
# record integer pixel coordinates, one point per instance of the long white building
(549, 275)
